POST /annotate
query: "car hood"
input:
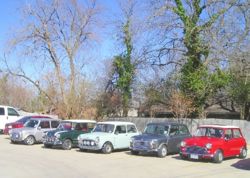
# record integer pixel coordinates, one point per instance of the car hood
(93, 135)
(202, 141)
(57, 131)
(148, 137)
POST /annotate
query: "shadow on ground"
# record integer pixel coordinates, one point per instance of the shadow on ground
(242, 164)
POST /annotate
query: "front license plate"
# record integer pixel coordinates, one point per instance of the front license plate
(194, 156)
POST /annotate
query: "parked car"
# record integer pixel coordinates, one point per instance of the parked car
(67, 132)
(214, 142)
(33, 131)
(108, 136)
(7, 114)
(161, 138)
(20, 123)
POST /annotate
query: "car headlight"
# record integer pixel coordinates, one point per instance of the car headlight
(154, 144)
(57, 135)
(208, 145)
(183, 144)
(97, 140)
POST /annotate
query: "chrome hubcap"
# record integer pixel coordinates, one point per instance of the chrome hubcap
(164, 151)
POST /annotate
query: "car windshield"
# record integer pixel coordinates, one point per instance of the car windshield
(24, 119)
(108, 128)
(156, 129)
(65, 126)
(209, 132)
(31, 123)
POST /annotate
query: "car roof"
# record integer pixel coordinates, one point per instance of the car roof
(220, 126)
(80, 121)
(37, 116)
(165, 123)
(115, 122)
(45, 119)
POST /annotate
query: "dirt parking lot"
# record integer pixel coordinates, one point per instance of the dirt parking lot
(19, 161)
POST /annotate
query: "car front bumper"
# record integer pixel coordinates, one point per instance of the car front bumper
(143, 147)
(16, 137)
(81, 145)
(196, 153)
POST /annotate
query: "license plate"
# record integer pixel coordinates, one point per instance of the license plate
(194, 156)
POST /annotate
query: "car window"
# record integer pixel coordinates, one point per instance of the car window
(120, 129)
(1, 111)
(228, 134)
(183, 130)
(131, 129)
(12, 112)
(236, 133)
(91, 126)
(173, 130)
(54, 124)
(44, 124)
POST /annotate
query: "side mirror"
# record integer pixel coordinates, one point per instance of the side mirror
(116, 133)
(39, 128)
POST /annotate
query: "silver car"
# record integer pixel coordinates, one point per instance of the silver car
(33, 131)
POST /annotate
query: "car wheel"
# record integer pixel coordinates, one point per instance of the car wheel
(47, 146)
(30, 140)
(67, 144)
(83, 150)
(218, 156)
(107, 148)
(13, 142)
(183, 157)
(163, 151)
(243, 153)
(134, 152)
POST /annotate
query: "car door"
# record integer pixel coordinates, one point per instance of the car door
(44, 126)
(3, 118)
(121, 137)
(229, 143)
(174, 138)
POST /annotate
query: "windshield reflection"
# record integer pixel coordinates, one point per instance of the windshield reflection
(209, 132)
(31, 124)
(156, 129)
(108, 128)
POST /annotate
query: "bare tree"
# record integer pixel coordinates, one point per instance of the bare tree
(57, 33)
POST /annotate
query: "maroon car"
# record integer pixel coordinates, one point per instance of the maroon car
(19, 123)
(214, 142)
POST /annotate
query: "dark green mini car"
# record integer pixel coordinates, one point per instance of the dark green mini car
(66, 134)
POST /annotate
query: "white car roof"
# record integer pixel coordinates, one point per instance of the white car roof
(116, 122)
(220, 126)
(80, 120)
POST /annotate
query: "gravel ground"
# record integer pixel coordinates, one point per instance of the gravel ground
(19, 161)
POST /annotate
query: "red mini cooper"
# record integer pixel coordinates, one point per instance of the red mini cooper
(214, 142)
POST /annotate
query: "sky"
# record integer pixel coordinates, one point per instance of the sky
(10, 20)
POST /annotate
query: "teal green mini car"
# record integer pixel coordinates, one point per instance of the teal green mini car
(65, 136)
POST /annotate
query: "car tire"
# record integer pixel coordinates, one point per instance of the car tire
(163, 151)
(134, 152)
(243, 153)
(67, 144)
(218, 156)
(13, 142)
(30, 140)
(107, 148)
(183, 157)
(47, 146)
(83, 150)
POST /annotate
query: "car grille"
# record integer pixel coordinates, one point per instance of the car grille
(196, 149)
(15, 136)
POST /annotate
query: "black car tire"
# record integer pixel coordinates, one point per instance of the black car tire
(83, 150)
(218, 156)
(183, 157)
(13, 142)
(67, 144)
(107, 148)
(243, 153)
(47, 146)
(163, 151)
(30, 140)
(134, 152)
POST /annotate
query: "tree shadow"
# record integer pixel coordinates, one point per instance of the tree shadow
(242, 164)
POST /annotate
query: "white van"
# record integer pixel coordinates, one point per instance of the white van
(7, 114)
